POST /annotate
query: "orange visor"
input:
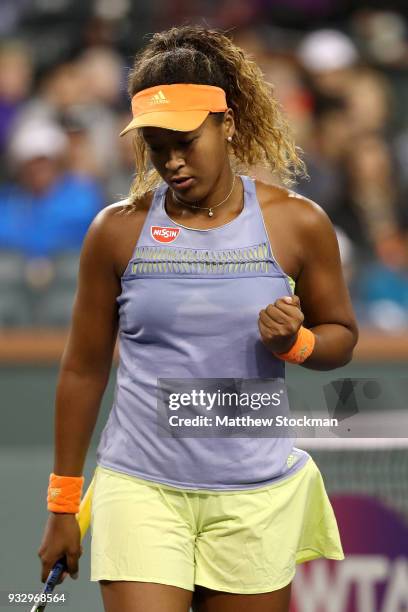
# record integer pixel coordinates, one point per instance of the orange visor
(182, 107)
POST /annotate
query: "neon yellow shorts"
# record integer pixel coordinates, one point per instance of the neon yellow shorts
(233, 541)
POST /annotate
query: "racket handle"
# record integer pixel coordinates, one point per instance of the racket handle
(84, 519)
(53, 577)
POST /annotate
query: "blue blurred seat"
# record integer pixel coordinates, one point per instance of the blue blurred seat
(66, 265)
(15, 310)
(12, 266)
(54, 306)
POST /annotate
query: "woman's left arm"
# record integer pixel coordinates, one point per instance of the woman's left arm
(321, 301)
(323, 293)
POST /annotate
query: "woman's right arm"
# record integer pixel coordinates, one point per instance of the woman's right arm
(83, 376)
(87, 358)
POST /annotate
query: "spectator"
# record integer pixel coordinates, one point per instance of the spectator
(15, 84)
(70, 89)
(369, 101)
(324, 152)
(383, 286)
(372, 187)
(45, 209)
(122, 174)
(330, 58)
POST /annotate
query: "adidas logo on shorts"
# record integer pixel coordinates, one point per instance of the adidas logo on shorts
(291, 460)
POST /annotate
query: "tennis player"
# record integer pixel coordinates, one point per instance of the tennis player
(206, 274)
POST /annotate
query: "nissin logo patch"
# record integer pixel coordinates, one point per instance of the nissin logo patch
(164, 234)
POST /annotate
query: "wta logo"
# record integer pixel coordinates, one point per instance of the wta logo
(164, 234)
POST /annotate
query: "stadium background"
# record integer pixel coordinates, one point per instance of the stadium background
(339, 69)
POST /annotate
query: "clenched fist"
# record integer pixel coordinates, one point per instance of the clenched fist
(279, 324)
(61, 538)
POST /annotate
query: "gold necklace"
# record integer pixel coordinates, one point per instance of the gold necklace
(210, 210)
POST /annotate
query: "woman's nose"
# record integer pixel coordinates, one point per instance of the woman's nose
(175, 160)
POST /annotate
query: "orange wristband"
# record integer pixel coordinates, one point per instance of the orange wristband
(302, 348)
(64, 493)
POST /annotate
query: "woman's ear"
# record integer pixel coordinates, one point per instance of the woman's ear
(229, 124)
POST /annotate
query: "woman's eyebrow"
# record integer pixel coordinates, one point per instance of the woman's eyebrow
(181, 136)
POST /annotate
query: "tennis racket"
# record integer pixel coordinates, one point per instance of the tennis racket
(84, 519)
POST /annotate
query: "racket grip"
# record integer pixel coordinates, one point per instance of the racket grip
(55, 573)
(83, 518)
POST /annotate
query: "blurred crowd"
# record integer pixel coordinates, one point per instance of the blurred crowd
(342, 80)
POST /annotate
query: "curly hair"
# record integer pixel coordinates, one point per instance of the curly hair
(193, 54)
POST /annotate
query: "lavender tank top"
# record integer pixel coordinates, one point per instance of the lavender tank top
(189, 308)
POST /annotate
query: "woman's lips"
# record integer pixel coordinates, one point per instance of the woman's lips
(182, 185)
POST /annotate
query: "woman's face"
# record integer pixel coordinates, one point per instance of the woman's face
(191, 162)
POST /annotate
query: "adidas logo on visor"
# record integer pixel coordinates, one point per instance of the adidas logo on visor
(159, 98)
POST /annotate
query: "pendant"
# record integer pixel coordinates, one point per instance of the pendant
(210, 213)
